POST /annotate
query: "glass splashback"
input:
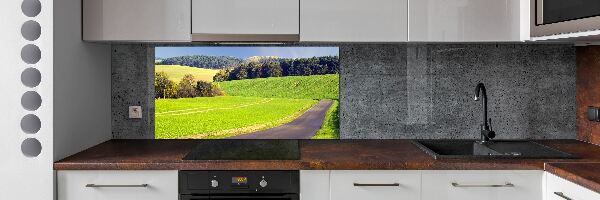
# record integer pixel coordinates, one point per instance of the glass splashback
(246, 92)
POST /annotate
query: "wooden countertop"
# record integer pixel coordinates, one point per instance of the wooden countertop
(315, 154)
(584, 174)
(331, 155)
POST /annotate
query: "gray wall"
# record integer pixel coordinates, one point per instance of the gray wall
(412, 90)
(426, 91)
(81, 84)
(132, 85)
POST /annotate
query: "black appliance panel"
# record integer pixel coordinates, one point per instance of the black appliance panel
(246, 197)
(245, 149)
(554, 11)
(238, 182)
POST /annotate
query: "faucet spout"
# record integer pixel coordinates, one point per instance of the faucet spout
(480, 94)
(481, 88)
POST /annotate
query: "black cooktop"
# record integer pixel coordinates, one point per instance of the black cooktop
(245, 149)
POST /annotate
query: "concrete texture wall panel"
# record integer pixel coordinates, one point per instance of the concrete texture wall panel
(531, 90)
(132, 85)
(411, 90)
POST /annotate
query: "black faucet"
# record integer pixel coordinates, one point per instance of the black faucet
(486, 129)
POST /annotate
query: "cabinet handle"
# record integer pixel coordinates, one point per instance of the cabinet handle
(492, 185)
(115, 186)
(376, 184)
(560, 194)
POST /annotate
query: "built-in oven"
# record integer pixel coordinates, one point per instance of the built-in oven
(238, 185)
(552, 17)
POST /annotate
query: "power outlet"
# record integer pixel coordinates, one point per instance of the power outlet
(135, 112)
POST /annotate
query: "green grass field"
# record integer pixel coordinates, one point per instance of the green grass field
(176, 72)
(331, 125)
(219, 117)
(293, 87)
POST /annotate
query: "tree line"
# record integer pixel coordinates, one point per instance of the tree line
(186, 88)
(202, 61)
(277, 67)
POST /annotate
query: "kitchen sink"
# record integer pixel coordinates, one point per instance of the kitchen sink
(440, 149)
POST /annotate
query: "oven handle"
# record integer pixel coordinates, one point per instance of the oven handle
(249, 197)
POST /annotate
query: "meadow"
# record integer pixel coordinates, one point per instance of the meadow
(224, 116)
(248, 106)
(293, 87)
(176, 72)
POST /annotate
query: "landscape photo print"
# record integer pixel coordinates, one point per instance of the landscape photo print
(246, 92)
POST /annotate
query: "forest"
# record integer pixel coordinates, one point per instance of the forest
(278, 67)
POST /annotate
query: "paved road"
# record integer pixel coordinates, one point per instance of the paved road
(303, 127)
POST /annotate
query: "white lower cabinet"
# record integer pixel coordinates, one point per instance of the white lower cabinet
(560, 189)
(341, 185)
(482, 185)
(375, 185)
(117, 185)
(314, 184)
(422, 185)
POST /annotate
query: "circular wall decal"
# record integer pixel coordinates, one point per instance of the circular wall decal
(31, 8)
(31, 30)
(31, 54)
(31, 124)
(31, 77)
(31, 147)
(31, 100)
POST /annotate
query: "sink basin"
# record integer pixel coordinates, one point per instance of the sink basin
(496, 149)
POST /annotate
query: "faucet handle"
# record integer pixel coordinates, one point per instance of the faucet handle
(491, 134)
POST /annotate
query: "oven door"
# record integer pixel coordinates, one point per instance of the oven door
(552, 17)
(240, 197)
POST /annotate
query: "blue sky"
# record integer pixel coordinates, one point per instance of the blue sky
(245, 52)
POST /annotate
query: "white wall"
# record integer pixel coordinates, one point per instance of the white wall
(24, 177)
(75, 82)
(82, 90)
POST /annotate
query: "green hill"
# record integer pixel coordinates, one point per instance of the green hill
(293, 87)
(176, 72)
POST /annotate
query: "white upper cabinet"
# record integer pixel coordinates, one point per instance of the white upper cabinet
(245, 20)
(136, 20)
(307, 20)
(468, 20)
(353, 20)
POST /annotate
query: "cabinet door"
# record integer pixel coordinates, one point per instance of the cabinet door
(560, 189)
(468, 20)
(353, 20)
(244, 18)
(314, 185)
(482, 184)
(136, 20)
(375, 185)
(117, 185)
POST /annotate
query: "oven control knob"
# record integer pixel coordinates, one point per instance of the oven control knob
(263, 183)
(214, 183)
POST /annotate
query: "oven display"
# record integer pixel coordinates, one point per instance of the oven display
(239, 180)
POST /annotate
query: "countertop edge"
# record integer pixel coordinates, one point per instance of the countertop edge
(573, 176)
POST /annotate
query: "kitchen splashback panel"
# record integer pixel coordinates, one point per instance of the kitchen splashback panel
(426, 90)
(412, 90)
